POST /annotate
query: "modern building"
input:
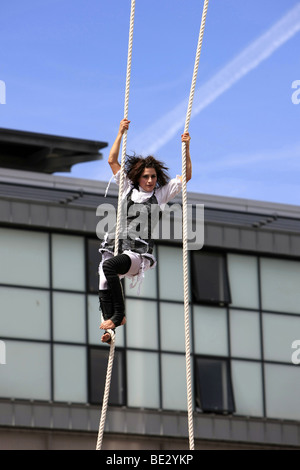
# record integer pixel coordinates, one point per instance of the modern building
(244, 317)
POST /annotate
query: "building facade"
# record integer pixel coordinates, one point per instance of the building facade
(244, 316)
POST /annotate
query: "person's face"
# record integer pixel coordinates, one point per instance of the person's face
(148, 179)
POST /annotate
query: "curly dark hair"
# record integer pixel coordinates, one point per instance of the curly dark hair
(135, 166)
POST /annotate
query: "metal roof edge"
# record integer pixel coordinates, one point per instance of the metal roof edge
(224, 203)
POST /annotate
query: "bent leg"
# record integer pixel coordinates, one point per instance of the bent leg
(112, 268)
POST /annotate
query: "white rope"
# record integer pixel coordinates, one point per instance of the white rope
(185, 245)
(117, 233)
(124, 141)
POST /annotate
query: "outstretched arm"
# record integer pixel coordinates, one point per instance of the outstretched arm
(185, 137)
(115, 149)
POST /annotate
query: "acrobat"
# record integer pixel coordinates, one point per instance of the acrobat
(146, 182)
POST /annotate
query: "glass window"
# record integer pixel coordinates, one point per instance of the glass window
(210, 330)
(170, 273)
(213, 385)
(93, 260)
(141, 321)
(68, 265)
(70, 378)
(174, 381)
(210, 278)
(279, 333)
(282, 391)
(172, 327)
(24, 257)
(280, 280)
(142, 379)
(247, 385)
(245, 334)
(243, 276)
(25, 313)
(69, 317)
(98, 362)
(94, 320)
(26, 374)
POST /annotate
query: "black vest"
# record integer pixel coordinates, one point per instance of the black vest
(129, 238)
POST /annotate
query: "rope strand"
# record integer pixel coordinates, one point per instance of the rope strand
(117, 234)
(185, 243)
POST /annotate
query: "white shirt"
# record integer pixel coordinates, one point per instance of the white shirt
(163, 194)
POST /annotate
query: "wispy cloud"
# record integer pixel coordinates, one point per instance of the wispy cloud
(288, 157)
(271, 174)
(164, 129)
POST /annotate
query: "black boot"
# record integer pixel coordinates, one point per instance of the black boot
(106, 306)
(106, 303)
(118, 301)
(112, 268)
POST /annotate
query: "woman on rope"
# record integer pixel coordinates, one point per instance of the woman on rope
(146, 183)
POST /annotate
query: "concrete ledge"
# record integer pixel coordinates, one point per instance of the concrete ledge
(149, 423)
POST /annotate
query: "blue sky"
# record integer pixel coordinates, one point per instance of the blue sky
(64, 66)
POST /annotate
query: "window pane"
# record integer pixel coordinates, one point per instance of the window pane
(142, 379)
(171, 382)
(94, 321)
(170, 273)
(24, 257)
(280, 280)
(243, 272)
(172, 327)
(245, 334)
(213, 385)
(210, 278)
(25, 313)
(147, 287)
(282, 391)
(26, 374)
(141, 321)
(210, 331)
(68, 262)
(279, 333)
(93, 260)
(70, 378)
(98, 362)
(69, 317)
(247, 385)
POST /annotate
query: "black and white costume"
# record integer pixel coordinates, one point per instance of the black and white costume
(135, 255)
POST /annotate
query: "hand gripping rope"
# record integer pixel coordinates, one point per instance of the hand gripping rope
(184, 237)
(117, 234)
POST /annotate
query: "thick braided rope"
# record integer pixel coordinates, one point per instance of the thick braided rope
(106, 390)
(117, 233)
(124, 140)
(185, 243)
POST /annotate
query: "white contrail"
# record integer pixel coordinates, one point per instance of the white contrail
(164, 129)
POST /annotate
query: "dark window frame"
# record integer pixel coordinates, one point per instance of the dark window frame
(206, 393)
(93, 258)
(210, 282)
(96, 382)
